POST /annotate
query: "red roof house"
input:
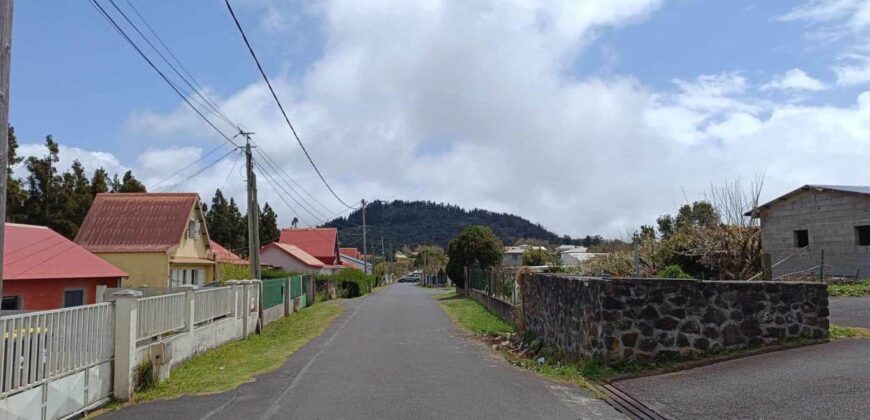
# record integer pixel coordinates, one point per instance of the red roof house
(350, 252)
(290, 258)
(322, 243)
(223, 255)
(43, 270)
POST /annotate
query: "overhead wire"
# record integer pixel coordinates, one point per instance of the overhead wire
(166, 79)
(280, 106)
(277, 171)
(267, 157)
(189, 165)
(201, 170)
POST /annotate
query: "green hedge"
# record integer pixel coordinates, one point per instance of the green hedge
(350, 283)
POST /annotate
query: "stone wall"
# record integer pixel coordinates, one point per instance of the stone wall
(645, 319)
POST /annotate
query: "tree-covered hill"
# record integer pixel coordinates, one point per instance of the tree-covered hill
(413, 223)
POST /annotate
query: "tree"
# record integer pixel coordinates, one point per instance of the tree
(225, 224)
(430, 259)
(294, 222)
(535, 257)
(475, 245)
(75, 192)
(100, 182)
(128, 184)
(15, 192)
(42, 184)
(269, 230)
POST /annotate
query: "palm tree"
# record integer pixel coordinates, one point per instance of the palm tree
(294, 222)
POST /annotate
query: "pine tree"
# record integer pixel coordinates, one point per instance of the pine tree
(129, 184)
(100, 182)
(42, 185)
(269, 230)
(15, 193)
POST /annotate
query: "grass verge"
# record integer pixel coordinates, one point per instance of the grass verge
(226, 367)
(472, 316)
(849, 290)
(837, 332)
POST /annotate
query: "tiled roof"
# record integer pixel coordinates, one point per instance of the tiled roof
(37, 252)
(136, 222)
(224, 255)
(298, 253)
(319, 242)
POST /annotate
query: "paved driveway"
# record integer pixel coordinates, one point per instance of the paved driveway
(850, 312)
(391, 355)
(830, 381)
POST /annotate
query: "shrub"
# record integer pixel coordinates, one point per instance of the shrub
(673, 271)
(350, 283)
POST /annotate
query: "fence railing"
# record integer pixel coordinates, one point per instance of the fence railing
(158, 315)
(36, 347)
(213, 303)
(295, 286)
(498, 282)
(273, 292)
(826, 264)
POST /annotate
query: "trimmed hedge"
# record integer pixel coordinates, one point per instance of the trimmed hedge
(349, 283)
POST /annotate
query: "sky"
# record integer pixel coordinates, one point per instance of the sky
(589, 117)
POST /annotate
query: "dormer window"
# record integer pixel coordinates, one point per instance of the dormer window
(193, 229)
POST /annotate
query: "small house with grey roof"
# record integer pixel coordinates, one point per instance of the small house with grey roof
(798, 227)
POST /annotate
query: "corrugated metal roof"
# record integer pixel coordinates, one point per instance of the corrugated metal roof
(855, 189)
(136, 222)
(298, 253)
(37, 252)
(226, 256)
(319, 242)
(350, 252)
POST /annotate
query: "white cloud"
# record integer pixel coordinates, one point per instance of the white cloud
(794, 80)
(273, 20)
(91, 160)
(477, 103)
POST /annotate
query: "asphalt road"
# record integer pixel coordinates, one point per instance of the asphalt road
(391, 355)
(850, 311)
(826, 381)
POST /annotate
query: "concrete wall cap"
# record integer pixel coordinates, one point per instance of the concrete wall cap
(127, 293)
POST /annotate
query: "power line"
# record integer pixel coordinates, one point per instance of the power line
(198, 90)
(280, 106)
(279, 189)
(153, 66)
(201, 170)
(176, 173)
(282, 171)
(277, 172)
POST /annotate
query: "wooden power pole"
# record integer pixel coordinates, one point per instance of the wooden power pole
(253, 212)
(365, 248)
(5, 61)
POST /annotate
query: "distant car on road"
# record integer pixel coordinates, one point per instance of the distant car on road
(410, 278)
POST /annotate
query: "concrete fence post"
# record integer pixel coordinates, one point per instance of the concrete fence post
(288, 305)
(246, 310)
(126, 305)
(189, 310)
(235, 288)
(100, 291)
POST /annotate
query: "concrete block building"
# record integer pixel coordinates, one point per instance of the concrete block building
(797, 227)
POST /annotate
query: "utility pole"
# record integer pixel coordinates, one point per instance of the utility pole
(5, 61)
(365, 247)
(253, 211)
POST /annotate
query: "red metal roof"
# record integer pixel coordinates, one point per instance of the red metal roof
(319, 242)
(37, 252)
(224, 255)
(350, 252)
(296, 252)
(136, 222)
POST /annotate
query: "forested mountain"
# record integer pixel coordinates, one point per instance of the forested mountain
(413, 223)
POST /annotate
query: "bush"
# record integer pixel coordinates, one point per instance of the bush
(673, 271)
(349, 283)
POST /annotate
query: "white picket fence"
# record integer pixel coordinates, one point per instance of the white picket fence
(159, 315)
(213, 303)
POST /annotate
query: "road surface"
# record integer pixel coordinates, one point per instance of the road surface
(391, 355)
(830, 381)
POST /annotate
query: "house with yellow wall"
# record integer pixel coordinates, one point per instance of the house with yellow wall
(159, 239)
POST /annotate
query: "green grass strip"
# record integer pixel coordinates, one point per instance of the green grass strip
(472, 316)
(228, 366)
(850, 290)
